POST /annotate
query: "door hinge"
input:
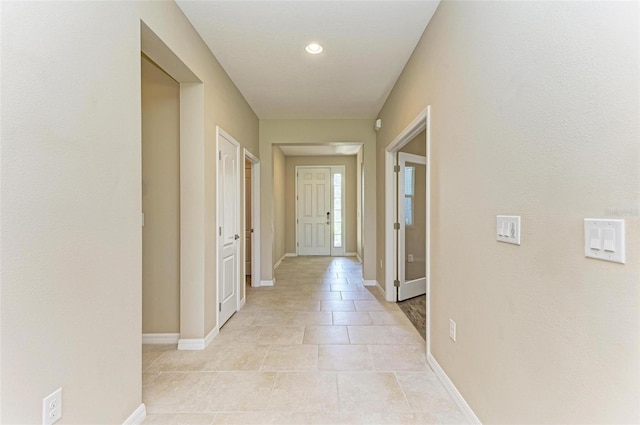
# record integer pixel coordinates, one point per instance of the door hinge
(219, 306)
(396, 226)
(396, 283)
(297, 221)
(219, 154)
(297, 244)
(219, 231)
(396, 168)
(251, 230)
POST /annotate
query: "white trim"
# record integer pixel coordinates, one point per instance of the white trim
(359, 259)
(255, 217)
(159, 338)
(290, 254)
(275, 266)
(137, 417)
(374, 283)
(453, 391)
(267, 282)
(198, 343)
(351, 254)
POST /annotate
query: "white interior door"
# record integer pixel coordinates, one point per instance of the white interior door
(412, 216)
(229, 227)
(314, 211)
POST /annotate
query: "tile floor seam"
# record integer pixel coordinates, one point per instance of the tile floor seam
(404, 394)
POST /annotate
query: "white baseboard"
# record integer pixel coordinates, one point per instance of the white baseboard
(377, 285)
(197, 343)
(275, 266)
(453, 391)
(267, 282)
(358, 257)
(137, 416)
(290, 254)
(243, 302)
(160, 338)
(351, 254)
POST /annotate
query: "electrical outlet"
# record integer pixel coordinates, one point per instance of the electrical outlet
(52, 407)
(410, 258)
(452, 330)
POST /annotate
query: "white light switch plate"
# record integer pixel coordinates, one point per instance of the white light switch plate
(508, 229)
(604, 239)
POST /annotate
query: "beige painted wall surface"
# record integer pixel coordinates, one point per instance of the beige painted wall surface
(316, 131)
(349, 162)
(535, 113)
(71, 200)
(279, 199)
(160, 201)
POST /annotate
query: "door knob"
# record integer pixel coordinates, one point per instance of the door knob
(236, 237)
(328, 219)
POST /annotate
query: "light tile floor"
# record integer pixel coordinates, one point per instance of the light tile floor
(317, 348)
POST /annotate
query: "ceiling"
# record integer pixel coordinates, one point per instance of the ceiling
(320, 150)
(260, 44)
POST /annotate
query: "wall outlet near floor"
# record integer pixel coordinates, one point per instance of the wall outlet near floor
(452, 330)
(410, 258)
(52, 407)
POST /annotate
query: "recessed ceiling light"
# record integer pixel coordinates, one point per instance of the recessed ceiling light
(314, 48)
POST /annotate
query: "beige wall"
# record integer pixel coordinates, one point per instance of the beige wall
(71, 255)
(279, 199)
(160, 200)
(315, 131)
(349, 162)
(534, 112)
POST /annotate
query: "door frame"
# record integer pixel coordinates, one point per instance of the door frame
(421, 122)
(332, 169)
(255, 219)
(233, 141)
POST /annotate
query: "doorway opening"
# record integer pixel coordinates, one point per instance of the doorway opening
(251, 222)
(415, 136)
(190, 285)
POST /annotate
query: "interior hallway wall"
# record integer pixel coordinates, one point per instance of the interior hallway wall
(534, 112)
(160, 200)
(349, 162)
(316, 131)
(71, 255)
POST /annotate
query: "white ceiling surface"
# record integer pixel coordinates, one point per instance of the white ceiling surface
(261, 45)
(320, 150)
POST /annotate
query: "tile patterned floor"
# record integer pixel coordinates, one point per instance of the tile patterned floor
(317, 348)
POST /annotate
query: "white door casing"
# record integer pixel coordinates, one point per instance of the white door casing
(228, 226)
(314, 210)
(408, 287)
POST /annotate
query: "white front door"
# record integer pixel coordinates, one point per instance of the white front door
(229, 227)
(412, 234)
(314, 211)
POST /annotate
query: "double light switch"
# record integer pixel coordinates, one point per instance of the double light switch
(508, 229)
(604, 239)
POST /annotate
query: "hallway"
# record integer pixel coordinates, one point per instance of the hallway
(318, 347)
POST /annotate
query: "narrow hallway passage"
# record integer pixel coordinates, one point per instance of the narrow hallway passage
(317, 348)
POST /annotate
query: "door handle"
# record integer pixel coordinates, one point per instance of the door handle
(236, 237)
(328, 217)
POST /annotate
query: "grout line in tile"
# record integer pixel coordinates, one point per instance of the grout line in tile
(402, 389)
